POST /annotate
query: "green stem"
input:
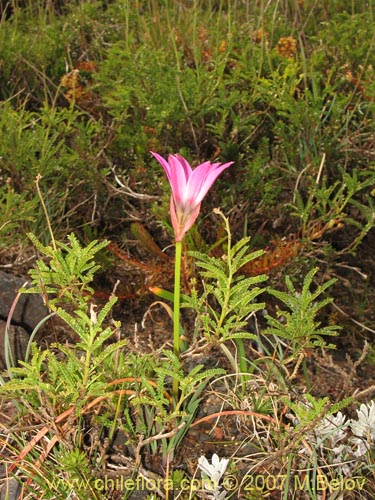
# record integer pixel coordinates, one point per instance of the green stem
(241, 353)
(176, 311)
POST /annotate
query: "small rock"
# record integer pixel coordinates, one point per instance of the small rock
(18, 341)
(10, 490)
(30, 308)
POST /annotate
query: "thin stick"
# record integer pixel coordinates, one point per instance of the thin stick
(37, 179)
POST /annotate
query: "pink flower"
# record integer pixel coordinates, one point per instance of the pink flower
(189, 187)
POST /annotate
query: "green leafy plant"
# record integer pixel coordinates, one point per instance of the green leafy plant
(330, 206)
(155, 403)
(70, 269)
(229, 297)
(70, 375)
(15, 212)
(311, 410)
(58, 146)
(299, 325)
(68, 381)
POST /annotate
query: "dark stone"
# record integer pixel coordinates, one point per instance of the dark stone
(11, 489)
(18, 341)
(30, 308)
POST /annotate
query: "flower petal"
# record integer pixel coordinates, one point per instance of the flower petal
(178, 172)
(205, 466)
(202, 179)
(189, 187)
(182, 221)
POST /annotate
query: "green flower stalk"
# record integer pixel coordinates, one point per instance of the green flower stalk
(189, 187)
